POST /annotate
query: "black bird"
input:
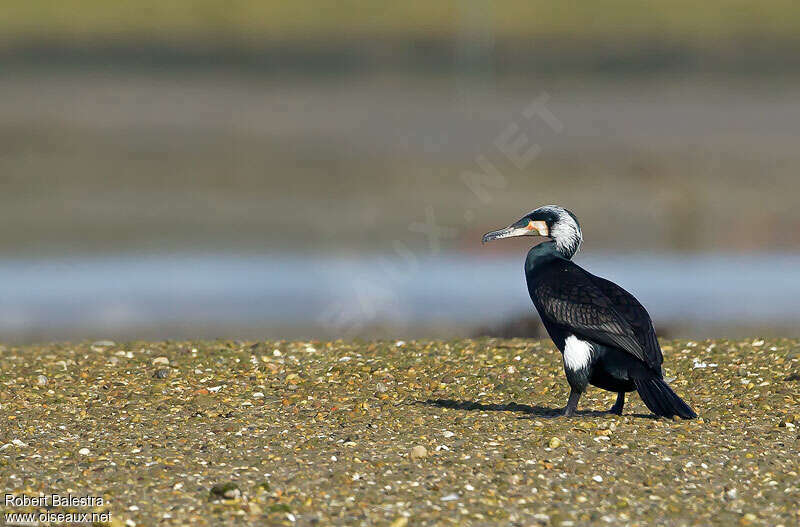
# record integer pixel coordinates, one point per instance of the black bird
(605, 335)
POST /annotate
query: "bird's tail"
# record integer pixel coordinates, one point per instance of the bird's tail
(661, 400)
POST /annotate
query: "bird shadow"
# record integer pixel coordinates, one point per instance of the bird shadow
(529, 411)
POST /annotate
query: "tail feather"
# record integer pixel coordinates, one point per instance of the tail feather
(661, 400)
(657, 399)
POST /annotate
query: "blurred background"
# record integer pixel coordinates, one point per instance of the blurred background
(264, 169)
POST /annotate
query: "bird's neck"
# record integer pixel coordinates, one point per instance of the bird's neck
(542, 254)
(567, 246)
(567, 237)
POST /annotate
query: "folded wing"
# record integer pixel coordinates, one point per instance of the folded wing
(597, 309)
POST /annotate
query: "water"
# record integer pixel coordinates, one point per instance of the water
(170, 296)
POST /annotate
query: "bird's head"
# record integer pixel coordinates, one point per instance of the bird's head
(550, 221)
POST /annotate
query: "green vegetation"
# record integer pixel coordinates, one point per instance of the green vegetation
(250, 20)
(400, 433)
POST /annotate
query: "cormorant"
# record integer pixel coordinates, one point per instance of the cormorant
(605, 335)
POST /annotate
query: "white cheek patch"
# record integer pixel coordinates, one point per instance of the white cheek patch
(577, 353)
(539, 227)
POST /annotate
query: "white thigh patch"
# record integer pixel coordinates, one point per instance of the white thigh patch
(577, 353)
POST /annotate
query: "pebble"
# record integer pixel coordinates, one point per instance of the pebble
(402, 521)
(160, 360)
(84, 451)
(225, 490)
(232, 494)
(419, 452)
(598, 479)
(748, 518)
(41, 380)
(381, 388)
(501, 466)
(162, 373)
(554, 442)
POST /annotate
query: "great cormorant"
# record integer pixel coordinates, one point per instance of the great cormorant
(605, 335)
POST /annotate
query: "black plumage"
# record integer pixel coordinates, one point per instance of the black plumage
(605, 335)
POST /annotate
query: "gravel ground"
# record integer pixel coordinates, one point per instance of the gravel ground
(396, 433)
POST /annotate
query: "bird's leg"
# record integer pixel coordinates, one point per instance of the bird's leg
(572, 403)
(617, 408)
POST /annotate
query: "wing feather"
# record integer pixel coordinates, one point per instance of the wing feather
(637, 317)
(597, 309)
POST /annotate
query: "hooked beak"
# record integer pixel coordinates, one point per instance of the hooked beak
(520, 228)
